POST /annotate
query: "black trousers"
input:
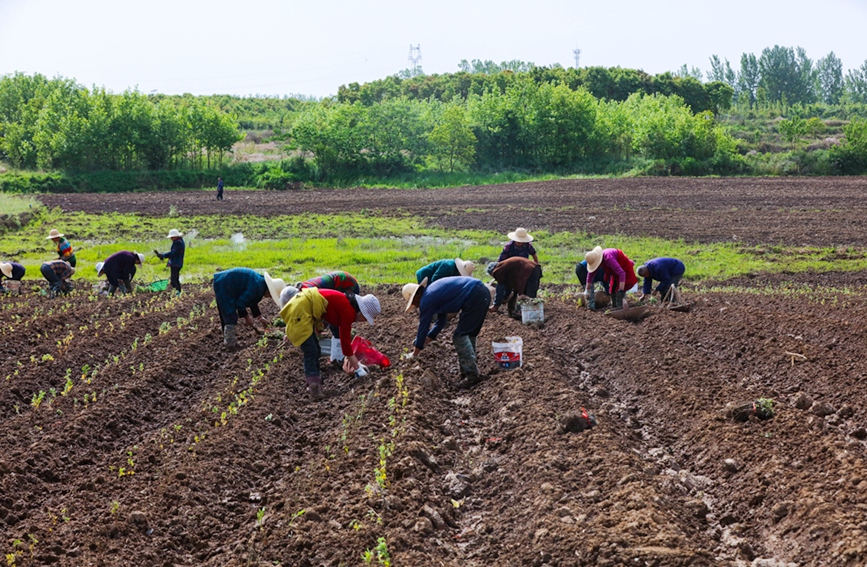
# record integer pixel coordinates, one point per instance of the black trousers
(176, 278)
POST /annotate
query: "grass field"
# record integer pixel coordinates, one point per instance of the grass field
(374, 248)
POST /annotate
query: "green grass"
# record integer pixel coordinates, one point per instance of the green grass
(11, 204)
(374, 248)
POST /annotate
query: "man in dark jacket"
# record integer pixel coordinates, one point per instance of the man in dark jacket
(515, 276)
(119, 269)
(175, 258)
(57, 272)
(667, 271)
(11, 271)
(467, 296)
(237, 290)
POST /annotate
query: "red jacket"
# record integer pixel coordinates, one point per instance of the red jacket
(341, 314)
(615, 264)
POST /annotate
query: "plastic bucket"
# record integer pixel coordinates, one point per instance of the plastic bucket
(509, 354)
(533, 313)
(13, 287)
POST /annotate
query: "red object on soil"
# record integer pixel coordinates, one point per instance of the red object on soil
(368, 355)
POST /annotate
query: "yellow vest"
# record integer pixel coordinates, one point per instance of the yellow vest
(302, 314)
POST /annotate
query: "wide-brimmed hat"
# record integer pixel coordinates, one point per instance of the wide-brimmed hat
(520, 235)
(6, 269)
(140, 257)
(594, 258)
(410, 290)
(369, 306)
(465, 268)
(175, 233)
(288, 293)
(99, 266)
(54, 234)
(275, 286)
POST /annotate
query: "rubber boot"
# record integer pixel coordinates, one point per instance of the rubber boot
(229, 340)
(467, 361)
(314, 386)
(617, 299)
(591, 298)
(336, 351)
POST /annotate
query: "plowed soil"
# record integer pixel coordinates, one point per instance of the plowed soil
(812, 211)
(175, 452)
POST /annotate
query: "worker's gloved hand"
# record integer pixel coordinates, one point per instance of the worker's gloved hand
(158, 255)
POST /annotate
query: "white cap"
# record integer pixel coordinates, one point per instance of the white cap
(288, 293)
(369, 306)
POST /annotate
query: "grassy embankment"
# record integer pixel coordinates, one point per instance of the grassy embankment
(376, 249)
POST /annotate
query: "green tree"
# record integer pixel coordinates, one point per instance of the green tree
(453, 144)
(855, 87)
(829, 72)
(793, 129)
(749, 77)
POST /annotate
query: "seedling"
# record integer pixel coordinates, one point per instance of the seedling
(260, 517)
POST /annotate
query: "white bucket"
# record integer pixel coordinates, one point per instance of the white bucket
(510, 353)
(13, 287)
(533, 313)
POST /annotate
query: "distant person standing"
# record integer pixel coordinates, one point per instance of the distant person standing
(219, 188)
(175, 258)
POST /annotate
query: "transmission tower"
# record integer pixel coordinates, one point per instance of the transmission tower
(415, 58)
(577, 53)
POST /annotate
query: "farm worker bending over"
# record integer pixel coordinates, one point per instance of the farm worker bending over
(238, 289)
(175, 258)
(519, 245)
(515, 276)
(64, 248)
(338, 281)
(599, 278)
(667, 271)
(57, 272)
(120, 268)
(304, 313)
(619, 271)
(444, 269)
(467, 296)
(11, 271)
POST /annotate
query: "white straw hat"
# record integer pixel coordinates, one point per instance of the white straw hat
(520, 235)
(410, 290)
(173, 233)
(465, 268)
(275, 286)
(6, 269)
(594, 258)
(140, 256)
(369, 306)
(99, 266)
(54, 234)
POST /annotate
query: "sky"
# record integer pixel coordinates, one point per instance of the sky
(286, 47)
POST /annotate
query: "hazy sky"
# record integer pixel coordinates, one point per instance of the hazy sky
(279, 47)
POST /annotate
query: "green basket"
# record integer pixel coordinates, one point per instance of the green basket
(159, 285)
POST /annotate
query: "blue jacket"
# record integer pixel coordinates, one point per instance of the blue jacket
(581, 272)
(175, 256)
(120, 266)
(239, 288)
(448, 295)
(437, 270)
(662, 270)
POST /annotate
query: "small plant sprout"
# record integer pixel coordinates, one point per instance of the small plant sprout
(260, 517)
(36, 400)
(115, 506)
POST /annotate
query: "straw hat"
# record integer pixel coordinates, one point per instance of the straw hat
(54, 234)
(410, 290)
(140, 257)
(520, 235)
(594, 258)
(99, 266)
(275, 286)
(288, 293)
(465, 268)
(369, 306)
(6, 269)
(173, 233)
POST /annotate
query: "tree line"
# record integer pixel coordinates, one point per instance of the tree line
(51, 124)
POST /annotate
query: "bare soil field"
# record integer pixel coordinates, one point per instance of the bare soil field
(153, 446)
(793, 211)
